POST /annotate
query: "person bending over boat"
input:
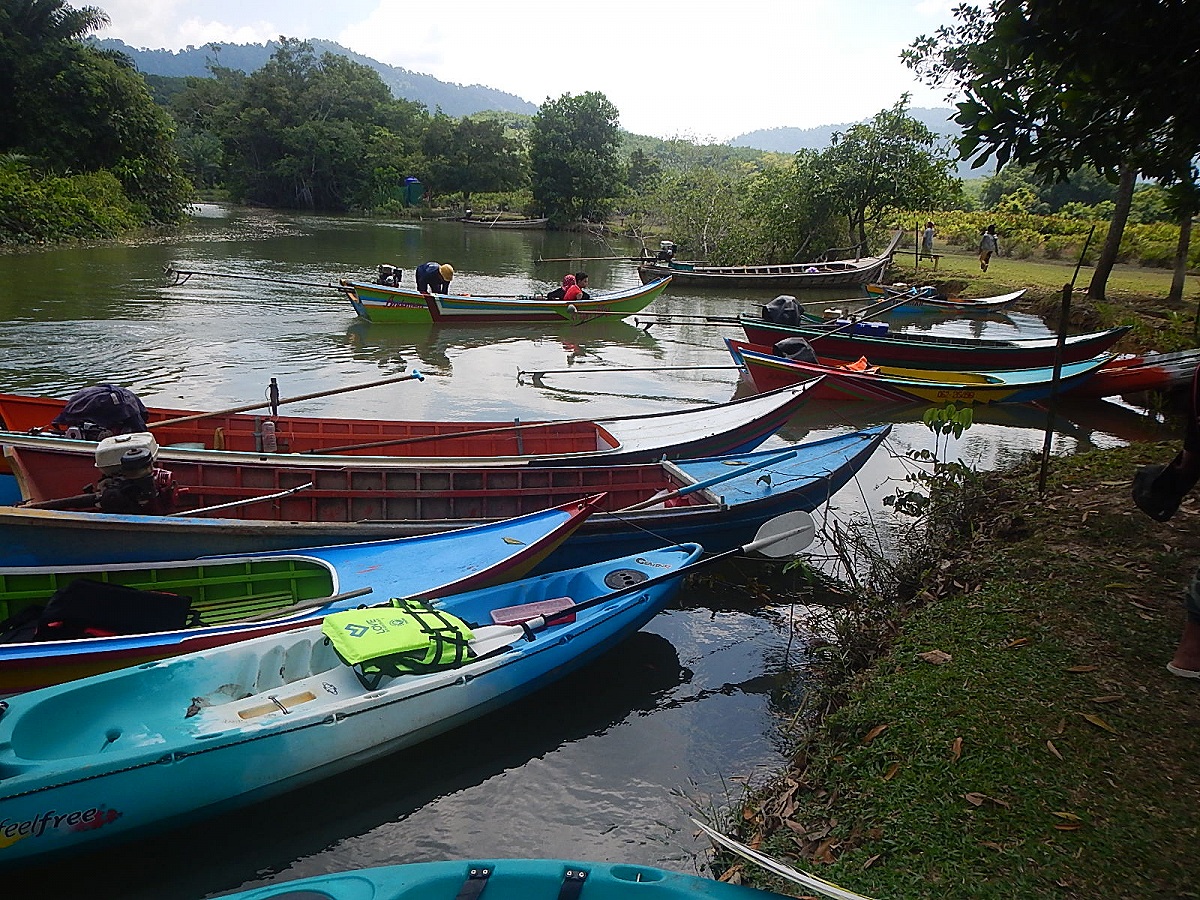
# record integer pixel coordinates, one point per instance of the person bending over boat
(434, 278)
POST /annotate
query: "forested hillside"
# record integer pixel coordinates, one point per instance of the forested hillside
(453, 99)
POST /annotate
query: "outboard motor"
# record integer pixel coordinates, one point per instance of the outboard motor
(390, 276)
(666, 251)
(130, 482)
(783, 310)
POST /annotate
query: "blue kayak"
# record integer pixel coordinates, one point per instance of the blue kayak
(130, 752)
(505, 879)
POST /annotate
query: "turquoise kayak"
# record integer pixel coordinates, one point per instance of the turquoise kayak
(131, 752)
(505, 879)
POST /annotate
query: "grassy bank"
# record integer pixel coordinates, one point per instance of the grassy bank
(1022, 736)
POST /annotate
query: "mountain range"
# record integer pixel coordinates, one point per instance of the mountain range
(463, 100)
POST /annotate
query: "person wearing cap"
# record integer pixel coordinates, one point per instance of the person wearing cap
(434, 278)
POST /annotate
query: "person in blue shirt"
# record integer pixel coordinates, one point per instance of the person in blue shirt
(434, 278)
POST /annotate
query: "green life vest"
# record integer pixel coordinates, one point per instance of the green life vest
(409, 637)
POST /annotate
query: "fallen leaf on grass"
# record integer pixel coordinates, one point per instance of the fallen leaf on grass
(937, 657)
(891, 772)
(1068, 826)
(870, 862)
(977, 799)
(1053, 749)
(874, 733)
(1081, 668)
(956, 750)
(1099, 722)
(1108, 698)
(1069, 816)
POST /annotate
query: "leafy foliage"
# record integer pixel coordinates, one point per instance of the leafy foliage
(75, 109)
(573, 154)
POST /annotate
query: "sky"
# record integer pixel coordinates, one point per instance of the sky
(701, 70)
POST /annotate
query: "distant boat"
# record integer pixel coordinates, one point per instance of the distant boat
(504, 223)
(795, 276)
(770, 371)
(885, 347)
(383, 304)
(132, 752)
(527, 879)
(927, 299)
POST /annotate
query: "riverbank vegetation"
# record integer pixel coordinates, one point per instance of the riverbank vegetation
(1017, 733)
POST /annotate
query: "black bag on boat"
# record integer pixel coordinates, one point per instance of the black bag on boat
(87, 608)
(783, 310)
(796, 348)
(104, 407)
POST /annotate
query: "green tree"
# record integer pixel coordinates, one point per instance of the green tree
(472, 155)
(76, 109)
(891, 162)
(1065, 84)
(573, 154)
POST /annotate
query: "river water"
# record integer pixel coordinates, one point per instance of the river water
(608, 764)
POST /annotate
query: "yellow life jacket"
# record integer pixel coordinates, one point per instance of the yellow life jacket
(408, 637)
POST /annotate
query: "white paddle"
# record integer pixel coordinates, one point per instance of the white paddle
(784, 535)
(812, 882)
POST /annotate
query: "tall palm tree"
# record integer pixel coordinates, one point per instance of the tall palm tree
(43, 21)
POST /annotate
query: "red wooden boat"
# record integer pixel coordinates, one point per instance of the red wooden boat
(732, 427)
(1134, 374)
(921, 350)
(261, 506)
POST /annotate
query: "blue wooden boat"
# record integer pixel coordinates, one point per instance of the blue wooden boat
(108, 616)
(717, 500)
(134, 751)
(507, 879)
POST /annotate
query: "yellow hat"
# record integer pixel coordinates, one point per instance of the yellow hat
(447, 271)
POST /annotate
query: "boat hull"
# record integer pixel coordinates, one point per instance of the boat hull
(713, 430)
(380, 304)
(508, 879)
(792, 276)
(221, 588)
(130, 752)
(1135, 374)
(744, 491)
(902, 385)
(931, 351)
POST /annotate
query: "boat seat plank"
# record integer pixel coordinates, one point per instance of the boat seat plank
(220, 612)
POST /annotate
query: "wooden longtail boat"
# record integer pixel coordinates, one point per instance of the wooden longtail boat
(920, 350)
(1134, 374)
(927, 299)
(711, 430)
(903, 385)
(508, 879)
(793, 276)
(719, 499)
(130, 752)
(529, 224)
(396, 305)
(293, 588)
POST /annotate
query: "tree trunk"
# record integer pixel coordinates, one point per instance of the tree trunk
(1181, 259)
(1108, 256)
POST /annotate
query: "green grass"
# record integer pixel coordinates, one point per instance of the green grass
(1051, 755)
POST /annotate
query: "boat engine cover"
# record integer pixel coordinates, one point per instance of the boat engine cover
(111, 451)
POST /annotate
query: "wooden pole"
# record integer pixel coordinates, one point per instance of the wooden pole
(414, 376)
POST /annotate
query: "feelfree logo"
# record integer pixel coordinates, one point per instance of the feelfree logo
(51, 820)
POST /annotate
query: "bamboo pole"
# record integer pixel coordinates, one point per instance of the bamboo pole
(414, 376)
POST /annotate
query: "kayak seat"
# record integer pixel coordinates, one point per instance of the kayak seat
(233, 609)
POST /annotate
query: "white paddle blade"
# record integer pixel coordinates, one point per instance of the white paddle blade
(812, 882)
(784, 535)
